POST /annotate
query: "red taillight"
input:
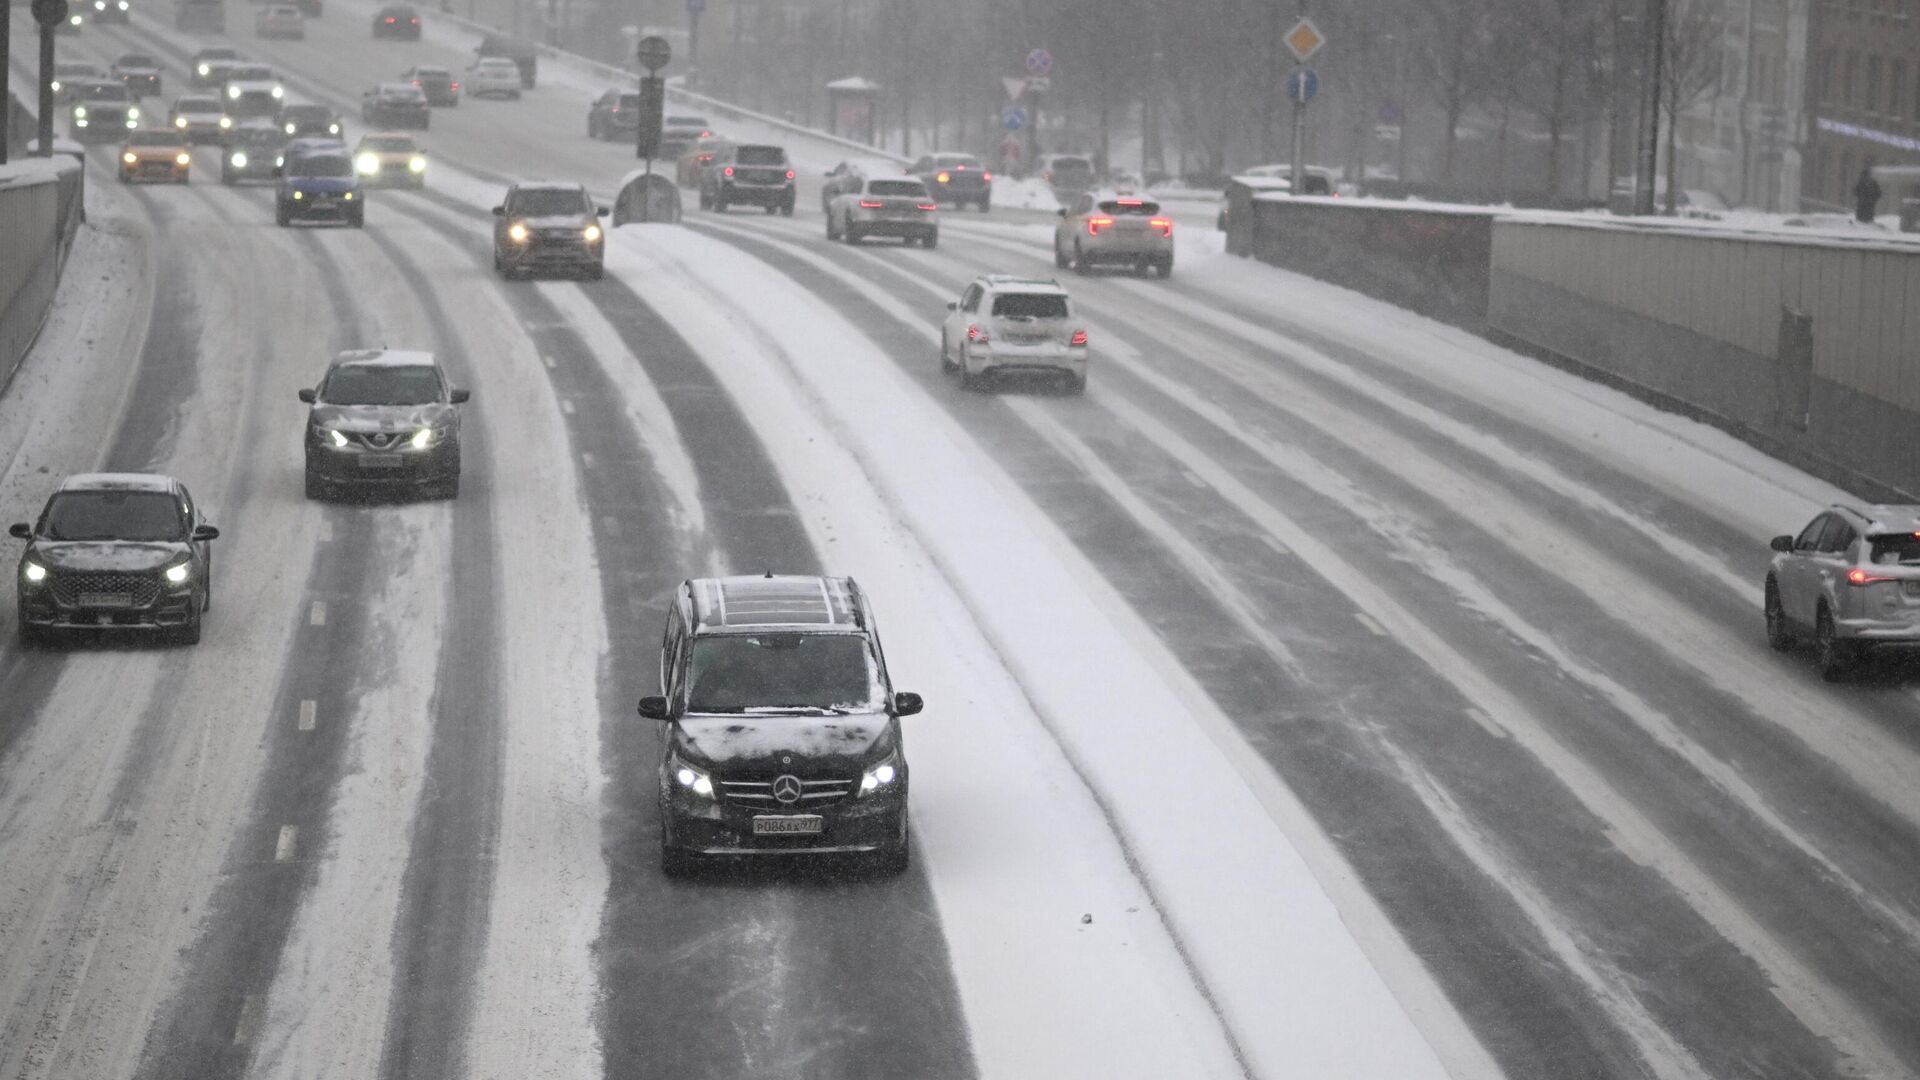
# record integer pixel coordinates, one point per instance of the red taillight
(986, 176)
(453, 86)
(705, 134)
(415, 22)
(789, 174)
(729, 170)
(1165, 225)
(1094, 225)
(936, 206)
(1079, 338)
(416, 82)
(616, 108)
(974, 333)
(1857, 576)
(871, 204)
(390, 21)
(1047, 176)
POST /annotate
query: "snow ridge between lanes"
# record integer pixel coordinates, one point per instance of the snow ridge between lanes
(1299, 994)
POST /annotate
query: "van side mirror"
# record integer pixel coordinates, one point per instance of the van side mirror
(906, 704)
(20, 530)
(308, 396)
(460, 397)
(499, 211)
(1782, 543)
(653, 708)
(205, 533)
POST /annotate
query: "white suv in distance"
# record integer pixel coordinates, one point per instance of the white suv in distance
(1004, 324)
(1117, 230)
(885, 206)
(1850, 580)
(494, 75)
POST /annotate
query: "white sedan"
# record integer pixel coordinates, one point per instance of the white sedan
(494, 75)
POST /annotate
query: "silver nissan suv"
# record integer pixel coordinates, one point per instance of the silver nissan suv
(1849, 581)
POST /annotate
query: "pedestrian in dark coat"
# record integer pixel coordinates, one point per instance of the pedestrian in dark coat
(1866, 195)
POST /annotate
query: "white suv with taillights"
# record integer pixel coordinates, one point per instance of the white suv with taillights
(1850, 580)
(1004, 324)
(1106, 228)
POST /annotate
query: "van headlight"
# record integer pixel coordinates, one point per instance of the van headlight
(233, 92)
(278, 93)
(882, 775)
(417, 164)
(690, 778)
(33, 572)
(367, 163)
(129, 157)
(204, 70)
(133, 112)
(518, 232)
(179, 572)
(79, 111)
(179, 121)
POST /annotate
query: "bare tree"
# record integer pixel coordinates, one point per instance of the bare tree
(1456, 63)
(1695, 55)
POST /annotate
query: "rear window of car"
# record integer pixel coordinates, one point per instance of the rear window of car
(138, 60)
(629, 101)
(387, 144)
(907, 188)
(761, 155)
(1130, 207)
(497, 63)
(1895, 549)
(1030, 305)
(104, 92)
(250, 73)
(1071, 164)
(957, 161)
(432, 73)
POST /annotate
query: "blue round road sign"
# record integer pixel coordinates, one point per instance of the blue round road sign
(1013, 117)
(1302, 84)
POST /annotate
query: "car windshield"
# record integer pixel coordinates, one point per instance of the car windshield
(401, 92)
(387, 144)
(103, 92)
(257, 136)
(1895, 549)
(1030, 305)
(629, 101)
(156, 138)
(499, 66)
(307, 113)
(196, 105)
(1130, 207)
(781, 672)
(114, 515)
(250, 73)
(324, 166)
(902, 188)
(545, 202)
(373, 384)
(761, 155)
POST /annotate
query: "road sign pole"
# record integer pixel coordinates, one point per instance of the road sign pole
(1299, 148)
(46, 88)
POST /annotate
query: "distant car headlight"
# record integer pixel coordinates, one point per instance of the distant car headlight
(290, 129)
(880, 775)
(348, 196)
(75, 20)
(417, 164)
(54, 85)
(122, 5)
(239, 159)
(180, 572)
(279, 160)
(233, 91)
(518, 232)
(591, 234)
(339, 438)
(132, 123)
(133, 112)
(691, 778)
(226, 121)
(297, 196)
(367, 163)
(424, 438)
(183, 159)
(333, 129)
(79, 112)
(179, 121)
(33, 572)
(278, 93)
(129, 157)
(204, 70)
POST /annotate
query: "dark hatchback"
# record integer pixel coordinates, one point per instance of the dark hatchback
(547, 226)
(955, 178)
(750, 176)
(783, 729)
(320, 186)
(252, 151)
(116, 551)
(399, 21)
(299, 121)
(441, 88)
(383, 421)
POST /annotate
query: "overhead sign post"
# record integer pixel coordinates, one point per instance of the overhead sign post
(1039, 70)
(1303, 41)
(653, 52)
(49, 14)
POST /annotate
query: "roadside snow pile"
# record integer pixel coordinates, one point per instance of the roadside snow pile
(1026, 193)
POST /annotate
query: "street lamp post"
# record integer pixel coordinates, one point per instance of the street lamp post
(1650, 153)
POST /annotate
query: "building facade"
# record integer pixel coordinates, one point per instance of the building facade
(1744, 138)
(1863, 100)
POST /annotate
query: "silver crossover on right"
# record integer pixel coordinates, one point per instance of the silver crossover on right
(1850, 580)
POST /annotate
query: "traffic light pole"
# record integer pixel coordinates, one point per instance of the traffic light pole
(46, 87)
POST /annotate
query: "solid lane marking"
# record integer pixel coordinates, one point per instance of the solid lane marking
(283, 847)
(243, 1025)
(1278, 547)
(1373, 628)
(318, 616)
(308, 715)
(586, 459)
(1192, 479)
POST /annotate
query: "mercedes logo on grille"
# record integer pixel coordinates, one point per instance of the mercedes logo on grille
(786, 788)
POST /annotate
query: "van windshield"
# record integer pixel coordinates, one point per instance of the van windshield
(790, 672)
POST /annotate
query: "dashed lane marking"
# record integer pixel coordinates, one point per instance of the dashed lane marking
(566, 406)
(1492, 726)
(283, 847)
(586, 459)
(318, 616)
(1373, 628)
(1193, 479)
(1278, 547)
(547, 360)
(243, 1026)
(309, 715)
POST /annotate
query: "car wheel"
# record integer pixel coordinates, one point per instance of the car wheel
(513, 95)
(359, 220)
(450, 487)
(720, 203)
(1164, 268)
(190, 633)
(596, 272)
(1779, 634)
(832, 233)
(852, 235)
(675, 862)
(931, 240)
(1080, 264)
(947, 366)
(968, 380)
(1832, 656)
(786, 208)
(1060, 260)
(317, 488)
(985, 205)
(282, 216)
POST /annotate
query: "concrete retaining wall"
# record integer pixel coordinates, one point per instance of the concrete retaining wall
(40, 209)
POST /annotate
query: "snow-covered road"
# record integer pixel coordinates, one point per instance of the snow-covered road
(1326, 694)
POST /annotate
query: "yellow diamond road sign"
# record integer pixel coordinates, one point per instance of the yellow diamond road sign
(1304, 40)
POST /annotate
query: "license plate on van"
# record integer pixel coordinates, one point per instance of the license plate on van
(788, 825)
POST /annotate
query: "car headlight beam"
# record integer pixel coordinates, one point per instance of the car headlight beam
(179, 573)
(417, 164)
(591, 234)
(34, 572)
(339, 437)
(518, 232)
(367, 163)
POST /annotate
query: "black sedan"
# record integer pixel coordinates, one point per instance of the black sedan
(383, 420)
(252, 151)
(396, 105)
(116, 551)
(302, 120)
(398, 21)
